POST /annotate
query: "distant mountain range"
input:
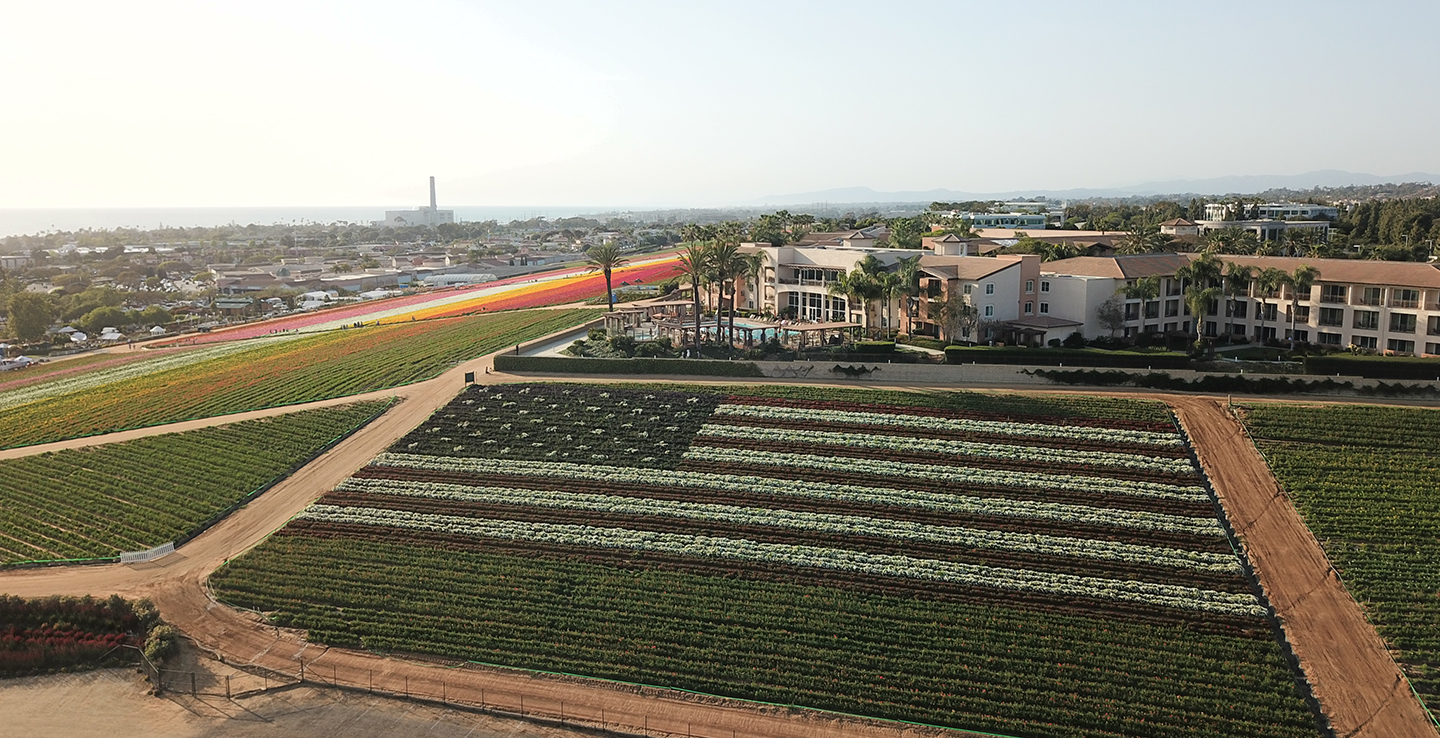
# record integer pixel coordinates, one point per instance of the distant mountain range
(1243, 184)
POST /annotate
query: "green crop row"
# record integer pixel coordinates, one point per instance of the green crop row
(100, 501)
(334, 364)
(1364, 480)
(970, 666)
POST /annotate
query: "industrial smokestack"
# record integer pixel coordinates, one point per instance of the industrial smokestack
(432, 193)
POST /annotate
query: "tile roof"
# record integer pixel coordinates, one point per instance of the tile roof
(964, 267)
(1349, 271)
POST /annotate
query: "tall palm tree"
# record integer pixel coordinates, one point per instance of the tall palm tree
(1237, 285)
(605, 258)
(755, 274)
(887, 288)
(1301, 280)
(1201, 277)
(909, 275)
(1267, 283)
(694, 262)
(856, 287)
(727, 264)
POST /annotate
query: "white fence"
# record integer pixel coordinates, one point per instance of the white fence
(130, 557)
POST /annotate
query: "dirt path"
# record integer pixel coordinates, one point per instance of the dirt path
(1351, 672)
(1345, 660)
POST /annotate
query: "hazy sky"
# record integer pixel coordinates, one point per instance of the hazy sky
(138, 103)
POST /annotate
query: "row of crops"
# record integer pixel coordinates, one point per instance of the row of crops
(1364, 478)
(265, 373)
(67, 632)
(949, 562)
(97, 502)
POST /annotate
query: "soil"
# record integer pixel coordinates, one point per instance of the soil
(1351, 673)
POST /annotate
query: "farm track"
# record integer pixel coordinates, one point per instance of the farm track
(1351, 673)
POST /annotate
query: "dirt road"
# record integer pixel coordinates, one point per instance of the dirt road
(1345, 660)
(1350, 671)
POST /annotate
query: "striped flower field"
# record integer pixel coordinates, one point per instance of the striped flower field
(1028, 575)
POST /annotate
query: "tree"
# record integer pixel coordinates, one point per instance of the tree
(755, 273)
(1143, 239)
(693, 262)
(154, 315)
(1143, 289)
(1267, 283)
(30, 313)
(955, 316)
(855, 286)
(727, 264)
(1201, 276)
(905, 233)
(104, 317)
(1301, 280)
(909, 277)
(1111, 314)
(605, 258)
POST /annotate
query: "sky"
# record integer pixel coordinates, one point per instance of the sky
(627, 104)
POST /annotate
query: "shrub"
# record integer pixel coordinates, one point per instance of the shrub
(1068, 357)
(563, 365)
(1377, 367)
(874, 347)
(162, 643)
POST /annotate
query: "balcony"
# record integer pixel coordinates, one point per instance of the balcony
(1333, 299)
(1398, 303)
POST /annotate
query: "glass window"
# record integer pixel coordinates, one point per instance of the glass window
(1405, 298)
(1029, 286)
(1029, 308)
(1172, 308)
(1332, 316)
(1370, 295)
(989, 311)
(1432, 348)
(1240, 309)
(989, 288)
(1044, 285)
(1367, 320)
(1399, 346)
(1152, 309)
(1366, 342)
(1332, 293)
(1302, 313)
(1402, 322)
(1329, 339)
(1044, 308)
(969, 288)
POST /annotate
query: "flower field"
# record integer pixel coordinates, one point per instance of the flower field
(250, 375)
(100, 501)
(1364, 480)
(63, 632)
(944, 562)
(516, 293)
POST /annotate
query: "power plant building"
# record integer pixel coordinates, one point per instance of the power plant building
(424, 216)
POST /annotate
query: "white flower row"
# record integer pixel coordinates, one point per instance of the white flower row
(796, 520)
(702, 481)
(1049, 583)
(954, 474)
(89, 380)
(1038, 454)
(963, 425)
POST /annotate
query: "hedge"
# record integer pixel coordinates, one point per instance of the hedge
(565, 365)
(1058, 356)
(874, 347)
(1376, 367)
(1227, 383)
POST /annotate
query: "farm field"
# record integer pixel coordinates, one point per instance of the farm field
(67, 632)
(1364, 480)
(250, 375)
(98, 502)
(959, 562)
(527, 291)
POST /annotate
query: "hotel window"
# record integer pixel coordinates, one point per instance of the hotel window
(1044, 285)
(1044, 308)
(1302, 313)
(1332, 316)
(969, 288)
(1365, 342)
(1029, 286)
(1370, 295)
(989, 288)
(989, 311)
(1172, 308)
(1152, 309)
(1029, 308)
(1432, 348)
(1402, 322)
(1132, 311)
(1332, 293)
(1399, 346)
(1329, 339)
(1404, 298)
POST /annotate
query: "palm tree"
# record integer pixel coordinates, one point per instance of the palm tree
(605, 258)
(856, 287)
(1301, 280)
(909, 275)
(1200, 277)
(755, 274)
(1267, 282)
(888, 287)
(693, 262)
(727, 264)
(1237, 285)
(1143, 239)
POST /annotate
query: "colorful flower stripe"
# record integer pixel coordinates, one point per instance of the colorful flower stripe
(1039, 430)
(954, 474)
(66, 385)
(701, 481)
(1164, 595)
(845, 525)
(559, 291)
(1036, 454)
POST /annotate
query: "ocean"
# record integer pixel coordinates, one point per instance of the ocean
(28, 221)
